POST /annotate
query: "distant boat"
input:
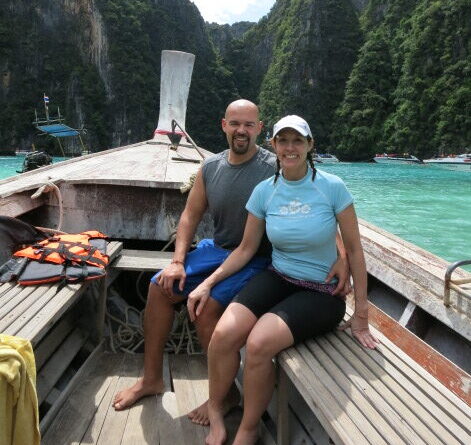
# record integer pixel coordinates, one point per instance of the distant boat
(386, 158)
(325, 158)
(460, 162)
(34, 160)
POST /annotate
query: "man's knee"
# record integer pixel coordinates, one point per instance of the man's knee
(157, 296)
(210, 314)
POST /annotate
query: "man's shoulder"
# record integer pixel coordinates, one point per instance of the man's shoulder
(266, 156)
(216, 157)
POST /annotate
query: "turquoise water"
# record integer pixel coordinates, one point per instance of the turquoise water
(10, 164)
(427, 206)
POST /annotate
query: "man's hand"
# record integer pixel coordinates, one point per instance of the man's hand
(175, 271)
(361, 331)
(197, 299)
(341, 270)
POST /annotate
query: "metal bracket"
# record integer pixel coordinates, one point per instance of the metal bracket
(455, 284)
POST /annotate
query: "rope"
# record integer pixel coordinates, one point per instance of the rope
(186, 187)
(128, 336)
(46, 188)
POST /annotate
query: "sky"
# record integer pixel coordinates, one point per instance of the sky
(230, 11)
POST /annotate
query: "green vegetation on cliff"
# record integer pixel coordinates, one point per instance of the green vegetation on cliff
(315, 47)
(369, 76)
(100, 62)
(138, 32)
(37, 56)
(410, 89)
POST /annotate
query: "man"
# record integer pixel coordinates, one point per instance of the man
(222, 186)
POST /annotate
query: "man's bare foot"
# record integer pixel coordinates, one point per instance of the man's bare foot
(200, 415)
(217, 430)
(246, 437)
(129, 396)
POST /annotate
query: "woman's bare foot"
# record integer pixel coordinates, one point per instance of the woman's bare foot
(246, 437)
(217, 430)
(200, 415)
(129, 396)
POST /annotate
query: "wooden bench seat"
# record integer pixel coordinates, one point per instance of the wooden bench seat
(58, 328)
(142, 260)
(30, 311)
(369, 397)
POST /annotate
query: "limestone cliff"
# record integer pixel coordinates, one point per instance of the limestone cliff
(100, 62)
(298, 59)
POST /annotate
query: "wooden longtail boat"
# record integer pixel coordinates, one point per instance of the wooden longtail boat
(132, 194)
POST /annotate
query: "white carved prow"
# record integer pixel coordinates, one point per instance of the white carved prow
(175, 79)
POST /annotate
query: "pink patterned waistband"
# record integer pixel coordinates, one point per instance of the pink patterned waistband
(327, 288)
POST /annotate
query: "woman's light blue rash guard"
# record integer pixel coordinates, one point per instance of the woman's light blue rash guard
(300, 222)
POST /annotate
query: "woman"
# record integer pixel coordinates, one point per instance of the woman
(300, 209)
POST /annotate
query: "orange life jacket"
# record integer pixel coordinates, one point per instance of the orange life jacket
(67, 249)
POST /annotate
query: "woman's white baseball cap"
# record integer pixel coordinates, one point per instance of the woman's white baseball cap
(295, 122)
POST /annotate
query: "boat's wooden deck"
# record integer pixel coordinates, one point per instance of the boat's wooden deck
(149, 164)
(87, 416)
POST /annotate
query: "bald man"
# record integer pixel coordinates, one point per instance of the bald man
(222, 186)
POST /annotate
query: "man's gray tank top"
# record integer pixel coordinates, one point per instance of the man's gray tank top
(228, 188)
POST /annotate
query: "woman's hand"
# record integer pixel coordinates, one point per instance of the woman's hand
(360, 330)
(197, 299)
(341, 270)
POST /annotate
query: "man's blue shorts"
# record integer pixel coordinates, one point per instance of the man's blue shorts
(204, 260)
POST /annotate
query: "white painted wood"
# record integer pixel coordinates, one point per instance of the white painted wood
(407, 314)
(458, 321)
(371, 420)
(46, 305)
(55, 306)
(416, 274)
(383, 392)
(4, 288)
(176, 69)
(9, 311)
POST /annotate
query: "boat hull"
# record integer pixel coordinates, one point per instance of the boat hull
(393, 161)
(450, 165)
(329, 159)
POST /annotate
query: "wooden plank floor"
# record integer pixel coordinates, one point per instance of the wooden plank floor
(87, 416)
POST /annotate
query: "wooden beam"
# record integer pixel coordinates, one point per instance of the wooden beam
(55, 367)
(407, 314)
(142, 260)
(282, 423)
(18, 204)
